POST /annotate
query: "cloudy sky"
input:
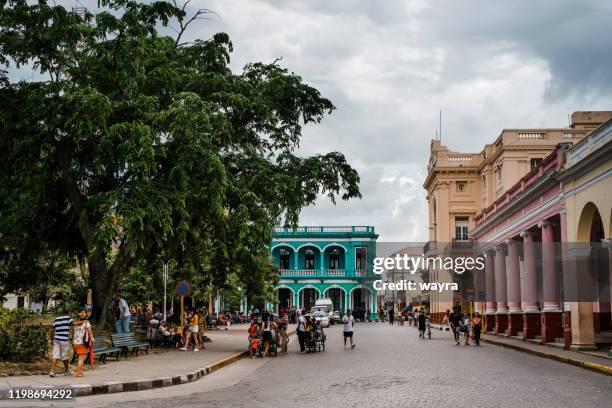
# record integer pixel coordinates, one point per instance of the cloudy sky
(389, 66)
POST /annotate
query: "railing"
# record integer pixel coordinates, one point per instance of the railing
(462, 243)
(531, 135)
(329, 230)
(322, 273)
(336, 272)
(300, 272)
(460, 158)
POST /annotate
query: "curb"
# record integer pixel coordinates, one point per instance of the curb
(83, 390)
(606, 370)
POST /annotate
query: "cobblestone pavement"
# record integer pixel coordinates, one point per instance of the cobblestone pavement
(392, 367)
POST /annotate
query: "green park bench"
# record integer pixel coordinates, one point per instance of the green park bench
(100, 351)
(127, 342)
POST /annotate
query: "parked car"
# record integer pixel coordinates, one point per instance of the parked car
(321, 316)
(335, 317)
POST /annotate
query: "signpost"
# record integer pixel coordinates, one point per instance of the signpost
(182, 289)
(165, 276)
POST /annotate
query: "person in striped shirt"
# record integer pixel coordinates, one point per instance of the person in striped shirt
(61, 341)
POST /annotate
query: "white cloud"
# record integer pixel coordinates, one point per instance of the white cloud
(389, 66)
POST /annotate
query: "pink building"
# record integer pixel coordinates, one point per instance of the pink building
(537, 264)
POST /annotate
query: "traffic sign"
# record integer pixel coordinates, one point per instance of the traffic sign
(182, 288)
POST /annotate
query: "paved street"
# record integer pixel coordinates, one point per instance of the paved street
(390, 367)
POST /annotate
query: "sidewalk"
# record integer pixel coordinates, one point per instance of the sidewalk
(160, 368)
(588, 360)
(581, 359)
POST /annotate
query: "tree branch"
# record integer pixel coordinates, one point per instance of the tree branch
(184, 24)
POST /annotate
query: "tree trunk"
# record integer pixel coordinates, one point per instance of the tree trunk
(44, 298)
(102, 287)
(103, 282)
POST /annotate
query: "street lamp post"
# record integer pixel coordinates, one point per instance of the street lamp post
(165, 276)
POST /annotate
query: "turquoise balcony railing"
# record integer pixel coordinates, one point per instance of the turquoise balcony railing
(322, 273)
(340, 230)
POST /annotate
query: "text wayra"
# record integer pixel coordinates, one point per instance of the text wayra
(409, 285)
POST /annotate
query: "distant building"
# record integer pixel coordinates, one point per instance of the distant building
(326, 261)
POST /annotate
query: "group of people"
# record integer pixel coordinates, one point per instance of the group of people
(265, 332)
(308, 330)
(361, 314)
(62, 329)
(460, 323)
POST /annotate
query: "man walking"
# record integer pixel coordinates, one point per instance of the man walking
(455, 321)
(123, 324)
(391, 316)
(61, 344)
(348, 321)
(301, 331)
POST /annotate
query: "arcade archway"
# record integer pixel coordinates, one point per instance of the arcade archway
(308, 297)
(338, 298)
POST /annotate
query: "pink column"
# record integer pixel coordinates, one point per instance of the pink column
(515, 316)
(552, 330)
(530, 281)
(514, 275)
(479, 289)
(501, 291)
(490, 282)
(550, 281)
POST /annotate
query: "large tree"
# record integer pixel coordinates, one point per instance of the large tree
(130, 145)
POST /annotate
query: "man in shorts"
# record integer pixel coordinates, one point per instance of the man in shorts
(61, 341)
(348, 321)
(455, 321)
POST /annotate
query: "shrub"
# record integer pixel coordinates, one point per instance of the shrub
(20, 342)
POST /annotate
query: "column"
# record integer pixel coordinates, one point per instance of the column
(515, 316)
(501, 291)
(490, 290)
(549, 268)
(348, 300)
(551, 313)
(296, 259)
(580, 286)
(531, 312)
(322, 265)
(567, 315)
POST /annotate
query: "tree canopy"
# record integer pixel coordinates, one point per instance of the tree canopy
(132, 146)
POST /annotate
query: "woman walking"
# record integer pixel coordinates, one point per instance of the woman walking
(82, 340)
(468, 329)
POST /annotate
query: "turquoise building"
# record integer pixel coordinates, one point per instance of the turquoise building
(326, 261)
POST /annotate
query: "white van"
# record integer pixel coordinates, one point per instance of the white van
(325, 302)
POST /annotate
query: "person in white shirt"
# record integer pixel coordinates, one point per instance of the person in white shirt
(125, 315)
(348, 321)
(301, 332)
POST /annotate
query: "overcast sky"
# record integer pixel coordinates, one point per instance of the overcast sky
(389, 66)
